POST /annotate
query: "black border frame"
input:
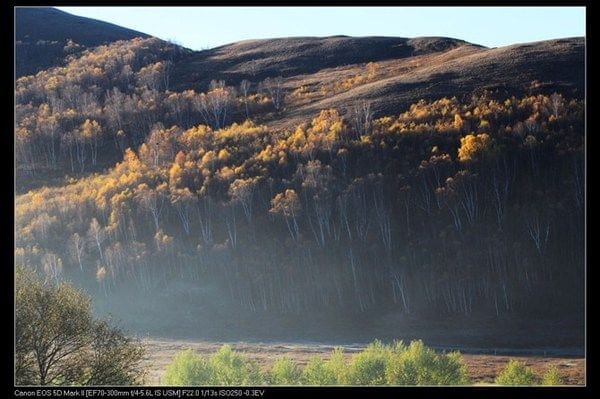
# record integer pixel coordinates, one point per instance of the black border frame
(7, 216)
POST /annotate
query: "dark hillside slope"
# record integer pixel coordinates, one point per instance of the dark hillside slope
(409, 70)
(258, 59)
(41, 34)
(463, 71)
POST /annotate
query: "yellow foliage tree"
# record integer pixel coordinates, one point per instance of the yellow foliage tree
(472, 146)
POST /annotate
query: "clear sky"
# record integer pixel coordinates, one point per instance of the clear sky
(205, 27)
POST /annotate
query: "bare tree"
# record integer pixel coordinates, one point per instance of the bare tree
(288, 205)
(274, 88)
(557, 102)
(242, 191)
(113, 108)
(204, 210)
(214, 105)
(244, 91)
(360, 205)
(97, 234)
(184, 202)
(231, 224)
(49, 129)
(77, 249)
(500, 182)
(317, 182)
(361, 117)
(52, 265)
(538, 228)
(153, 200)
(383, 216)
(167, 67)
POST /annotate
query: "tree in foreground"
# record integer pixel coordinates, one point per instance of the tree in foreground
(552, 377)
(225, 367)
(368, 367)
(284, 372)
(416, 364)
(318, 372)
(188, 368)
(516, 373)
(58, 342)
(233, 368)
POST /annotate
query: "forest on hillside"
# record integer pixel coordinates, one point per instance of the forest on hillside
(471, 205)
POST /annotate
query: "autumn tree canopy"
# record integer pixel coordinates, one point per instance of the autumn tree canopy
(450, 207)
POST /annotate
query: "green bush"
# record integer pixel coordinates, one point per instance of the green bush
(450, 370)
(420, 365)
(284, 372)
(516, 373)
(368, 367)
(318, 372)
(377, 364)
(225, 367)
(232, 368)
(338, 367)
(552, 377)
(188, 368)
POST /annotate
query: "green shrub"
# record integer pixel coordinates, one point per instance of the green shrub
(284, 372)
(552, 377)
(450, 370)
(377, 364)
(516, 373)
(188, 368)
(368, 367)
(225, 367)
(318, 372)
(232, 368)
(338, 367)
(402, 368)
(420, 365)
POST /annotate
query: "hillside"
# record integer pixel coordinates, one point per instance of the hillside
(269, 184)
(409, 69)
(258, 59)
(42, 34)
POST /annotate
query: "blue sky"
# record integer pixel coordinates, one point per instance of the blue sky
(205, 27)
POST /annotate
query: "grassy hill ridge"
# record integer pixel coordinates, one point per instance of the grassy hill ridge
(41, 34)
